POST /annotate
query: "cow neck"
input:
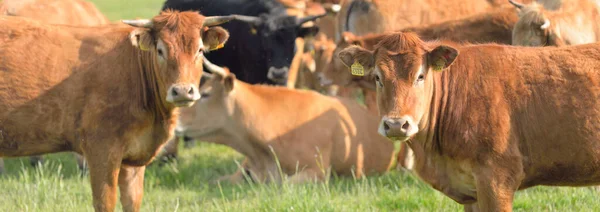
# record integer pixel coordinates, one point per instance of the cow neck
(151, 86)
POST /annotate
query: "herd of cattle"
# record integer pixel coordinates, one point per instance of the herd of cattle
(487, 96)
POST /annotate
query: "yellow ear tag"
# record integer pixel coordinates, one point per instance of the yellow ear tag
(253, 31)
(218, 46)
(143, 47)
(357, 69)
(439, 64)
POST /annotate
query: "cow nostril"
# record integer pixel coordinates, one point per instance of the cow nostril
(174, 92)
(405, 125)
(191, 91)
(386, 126)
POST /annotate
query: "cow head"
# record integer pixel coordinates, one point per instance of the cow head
(403, 68)
(534, 27)
(277, 35)
(175, 42)
(336, 72)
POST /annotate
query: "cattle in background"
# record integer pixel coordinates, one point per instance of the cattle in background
(261, 47)
(575, 22)
(377, 16)
(323, 134)
(487, 120)
(109, 93)
(70, 12)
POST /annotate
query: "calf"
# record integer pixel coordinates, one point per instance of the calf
(487, 120)
(575, 22)
(109, 93)
(322, 134)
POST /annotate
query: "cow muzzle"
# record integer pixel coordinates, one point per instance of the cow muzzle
(278, 75)
(183, 95)
(400, 128)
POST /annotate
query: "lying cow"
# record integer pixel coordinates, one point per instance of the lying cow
(67, 12)
(109, 93)
(576, 22)
(322, 134)
(487, 120)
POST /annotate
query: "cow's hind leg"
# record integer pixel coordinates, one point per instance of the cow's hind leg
(131, 185)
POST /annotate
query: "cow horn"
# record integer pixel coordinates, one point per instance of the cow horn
(215, 69)
(247, 19)
(305, 19)
(546, 24)
(144, 23)
(516, 4)
(216, 20)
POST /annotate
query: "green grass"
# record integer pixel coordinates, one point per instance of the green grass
(184, 186)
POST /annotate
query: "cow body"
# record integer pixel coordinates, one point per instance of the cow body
(95, 91)
(260, 50)
(494, 119)
(377, 16)
(323, 134)
(575, 22)
(69, 12)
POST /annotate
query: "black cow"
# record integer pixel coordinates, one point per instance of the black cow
(261, 46)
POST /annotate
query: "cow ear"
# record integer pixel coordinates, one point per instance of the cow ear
(308, 31)
(141, 39)
(228, 82)
(441, 57)
(359, 60)
(215, 37)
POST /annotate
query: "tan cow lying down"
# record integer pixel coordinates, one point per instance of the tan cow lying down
(487, 120)
(308, 133)
(109, 93)
(575, 22)
(69, 12)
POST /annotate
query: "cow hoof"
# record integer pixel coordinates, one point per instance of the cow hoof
(168, 158)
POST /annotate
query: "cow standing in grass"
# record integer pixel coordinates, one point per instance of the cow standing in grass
(109, 93)
(487, 120)
(301, 134)
(67, 12)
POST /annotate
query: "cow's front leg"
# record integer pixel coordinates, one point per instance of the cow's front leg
(474, 207)
(131, 185)
(104, 164)
(496, 184)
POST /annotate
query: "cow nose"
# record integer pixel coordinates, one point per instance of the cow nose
(182, 94)
(398, 127)
(278, 74)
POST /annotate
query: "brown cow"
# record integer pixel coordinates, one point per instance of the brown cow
(575, 22)
(377, 16)
(487, 120)
(109, 93)
(68, 12)
(322, 134)
(71, 12)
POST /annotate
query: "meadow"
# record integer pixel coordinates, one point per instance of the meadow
(185, 185)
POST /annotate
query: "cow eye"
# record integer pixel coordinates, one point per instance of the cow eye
(378, 81)
(204, 95)
(160, 52)
(421, 77)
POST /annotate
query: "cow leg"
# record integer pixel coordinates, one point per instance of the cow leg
(104, 164)
(471, 207)
(36, 160)
(405, 157)
(188, 142)
(81, 164)
(131, 185)
(1, 166)
(170, 150)
(496, 185)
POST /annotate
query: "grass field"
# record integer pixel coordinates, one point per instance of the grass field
(183, 186)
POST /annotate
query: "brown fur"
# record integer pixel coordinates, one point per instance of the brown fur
(575, 22)
(496, 119)
(68, 12)
(93, 91)
(322, 134)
